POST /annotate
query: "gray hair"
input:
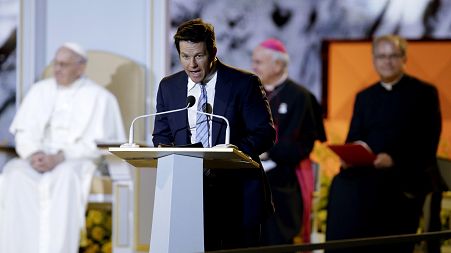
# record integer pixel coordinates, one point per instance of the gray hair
(283, 57)
(396, 40)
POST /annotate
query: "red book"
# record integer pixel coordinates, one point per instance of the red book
(354, 154)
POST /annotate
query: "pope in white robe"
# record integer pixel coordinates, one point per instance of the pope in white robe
(43, 194)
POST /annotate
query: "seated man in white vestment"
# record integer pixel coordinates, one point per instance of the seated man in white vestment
(43, 194)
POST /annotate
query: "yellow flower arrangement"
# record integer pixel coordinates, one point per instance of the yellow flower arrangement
(98, 233)
(93, 248)
(95, 216)
(96, 238)
(107, 247)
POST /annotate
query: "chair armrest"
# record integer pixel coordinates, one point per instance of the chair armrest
(8, 148)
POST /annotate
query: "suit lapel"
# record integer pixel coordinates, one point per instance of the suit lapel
(222, 93)
(180, 94)
(180, 91)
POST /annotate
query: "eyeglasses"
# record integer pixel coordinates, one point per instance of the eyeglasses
(390, 57)
(64, 64)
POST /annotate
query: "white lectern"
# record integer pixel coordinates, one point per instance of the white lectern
(178, 223)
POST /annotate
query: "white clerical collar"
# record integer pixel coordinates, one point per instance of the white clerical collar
(389, 86)
(271, 87)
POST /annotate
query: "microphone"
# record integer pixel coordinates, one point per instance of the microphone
(190, 100)
(208, 108)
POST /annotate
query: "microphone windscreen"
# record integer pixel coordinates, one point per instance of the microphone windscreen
(208, 108)
(190, 100)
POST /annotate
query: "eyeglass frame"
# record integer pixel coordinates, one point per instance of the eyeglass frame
(390, 57)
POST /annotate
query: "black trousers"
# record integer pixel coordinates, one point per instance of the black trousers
(225, 222)
(285, 224)
(369, 203)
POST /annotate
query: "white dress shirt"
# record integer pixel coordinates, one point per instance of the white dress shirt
(194, 90)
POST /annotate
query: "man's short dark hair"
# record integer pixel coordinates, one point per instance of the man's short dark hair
(196, 30)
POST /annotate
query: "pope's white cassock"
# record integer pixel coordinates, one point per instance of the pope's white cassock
(44, 212)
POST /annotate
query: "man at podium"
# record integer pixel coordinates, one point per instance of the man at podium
(235, 201)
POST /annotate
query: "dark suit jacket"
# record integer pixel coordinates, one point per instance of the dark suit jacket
(239, 96)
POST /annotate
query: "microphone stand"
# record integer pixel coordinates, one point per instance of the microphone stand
(130, 143)
(227, 134)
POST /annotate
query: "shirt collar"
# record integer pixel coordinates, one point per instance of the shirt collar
(389, 86)
(209, 79)
(281, 80)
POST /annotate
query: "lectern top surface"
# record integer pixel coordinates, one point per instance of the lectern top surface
(216, 157)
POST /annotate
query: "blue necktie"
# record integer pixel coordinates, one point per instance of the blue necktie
(202, 125)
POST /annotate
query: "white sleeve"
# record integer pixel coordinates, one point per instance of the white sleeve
(82, 148)
(28, 125)
(26, 144)
(113, 124)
